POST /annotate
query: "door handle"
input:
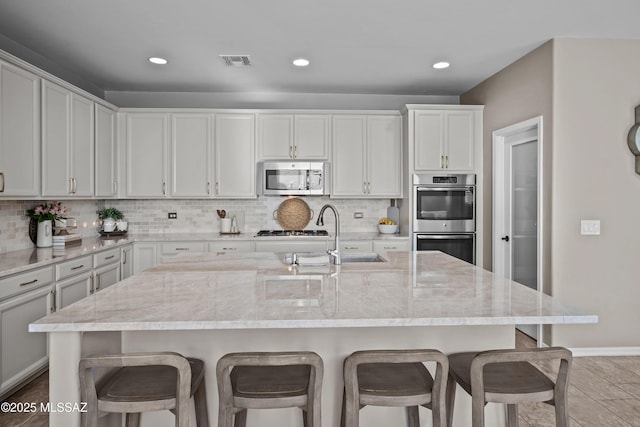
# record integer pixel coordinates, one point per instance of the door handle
(505, 238)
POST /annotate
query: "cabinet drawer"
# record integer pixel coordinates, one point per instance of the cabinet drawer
(391, 245)
(227, 246)
(73, 267)
(23, 282)
(358, 246)
(106, 257)
(291, 246)
(172, 248)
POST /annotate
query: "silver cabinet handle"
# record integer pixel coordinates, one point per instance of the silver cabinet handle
(369, 187)
(291, 152)
(229, 249)
(29, 283)
(75, 185)
(446, 162)
(115, 187)
(97, 282)
(217, 187)
(295, 151)
(53, 307)
(208, 187)
(124, 258)
(109, 257)
(364, 187)
(164, 188)
(77, 267)
(91, 287)
(2, 188)
(182, 249)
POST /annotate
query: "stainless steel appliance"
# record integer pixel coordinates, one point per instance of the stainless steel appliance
(444, 216)
(285, 178)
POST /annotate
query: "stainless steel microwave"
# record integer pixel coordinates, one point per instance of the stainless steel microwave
(297, 178)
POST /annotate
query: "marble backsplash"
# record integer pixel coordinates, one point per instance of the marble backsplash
(194, 216)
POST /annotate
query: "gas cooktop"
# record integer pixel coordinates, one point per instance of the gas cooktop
(278, 233)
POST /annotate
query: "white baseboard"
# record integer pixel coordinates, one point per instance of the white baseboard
(605, 351)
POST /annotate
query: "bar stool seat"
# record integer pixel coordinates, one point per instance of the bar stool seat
(507, 376)
(144, 382)
(395, 378)
(269, 380)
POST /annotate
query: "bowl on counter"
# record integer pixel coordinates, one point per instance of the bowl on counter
(387, 229)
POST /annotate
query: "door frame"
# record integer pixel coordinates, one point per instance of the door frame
(499, 141)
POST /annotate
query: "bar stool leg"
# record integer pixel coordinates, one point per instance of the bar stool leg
(133, 419)
(512, 415)
(413, 417)
(241, 419)
(450, 399)
(200, 402)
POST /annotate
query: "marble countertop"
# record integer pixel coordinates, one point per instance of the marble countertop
(258, 290)
(23, 260)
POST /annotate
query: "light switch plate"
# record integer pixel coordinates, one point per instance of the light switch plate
(590, 227)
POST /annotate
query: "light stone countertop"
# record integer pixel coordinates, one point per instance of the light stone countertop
(26, 259)
(257, 290)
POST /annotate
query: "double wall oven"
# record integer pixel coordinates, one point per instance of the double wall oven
(444, 216)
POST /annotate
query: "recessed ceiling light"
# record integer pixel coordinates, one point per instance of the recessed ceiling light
(300, 62)
(441, 65)
(156, 60)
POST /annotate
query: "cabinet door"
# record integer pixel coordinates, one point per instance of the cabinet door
(105, 181)
(82, 147)
(72, 290)
(19, 132)
(428, 140)
(235, 156)
(56, 140)
(384, 155)
(106, 276)
(22, 352)
(191, 146)
(146, 154)
(348, 168)
(126, 262)
(275, 136)
(145, 255)
(460, 140)
(311, 137)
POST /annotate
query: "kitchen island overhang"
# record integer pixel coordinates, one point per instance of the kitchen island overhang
(206, 305)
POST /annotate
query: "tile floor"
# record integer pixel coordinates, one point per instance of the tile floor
(604, 392)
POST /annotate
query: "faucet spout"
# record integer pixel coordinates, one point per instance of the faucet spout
(334, 253)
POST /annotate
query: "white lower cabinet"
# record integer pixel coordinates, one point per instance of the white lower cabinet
(24, 298)
(145, 255)
(231, 246)
(291, 246)
(355, 246)
(126, 261)
(391, 245)
(71, 290)
(106, 269)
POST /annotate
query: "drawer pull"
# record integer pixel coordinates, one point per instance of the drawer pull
(77, 267)
(109, 257)
(29, 283)
(182, 249)
(229, 249)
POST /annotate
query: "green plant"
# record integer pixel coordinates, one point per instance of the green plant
(110, 213)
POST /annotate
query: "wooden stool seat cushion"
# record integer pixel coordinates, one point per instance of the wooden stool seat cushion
(270, 381)
(503, 379)
(147, 383)
(394, 379)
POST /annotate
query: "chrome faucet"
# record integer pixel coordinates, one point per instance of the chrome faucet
(335, 253)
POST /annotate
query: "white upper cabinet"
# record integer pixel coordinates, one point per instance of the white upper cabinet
(367, 156)
(146, 148)
(106, 181)
(235, 164)
(293, 136)
(67, 143)
(191, 155)
(19, 132)
(444, 139)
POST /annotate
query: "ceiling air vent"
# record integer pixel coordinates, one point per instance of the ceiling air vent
(236, 60)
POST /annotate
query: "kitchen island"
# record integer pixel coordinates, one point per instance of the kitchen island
(206, 305)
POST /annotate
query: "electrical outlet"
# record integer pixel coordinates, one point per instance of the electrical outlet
(173, 215)
(358, 215)
(590, 227)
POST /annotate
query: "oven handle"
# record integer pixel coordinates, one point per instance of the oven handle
(443, 236)
(445, 189)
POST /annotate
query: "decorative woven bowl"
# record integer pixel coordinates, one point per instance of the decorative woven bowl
(293, 214)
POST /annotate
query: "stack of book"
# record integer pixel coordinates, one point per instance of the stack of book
(64, 240)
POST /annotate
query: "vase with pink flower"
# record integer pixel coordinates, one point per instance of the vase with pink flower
(41, 224)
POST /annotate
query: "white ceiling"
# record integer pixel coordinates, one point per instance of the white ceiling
(355, 46)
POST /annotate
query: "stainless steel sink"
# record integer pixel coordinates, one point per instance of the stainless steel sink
(362, 257)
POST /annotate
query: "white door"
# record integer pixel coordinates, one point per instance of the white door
(517, 206)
